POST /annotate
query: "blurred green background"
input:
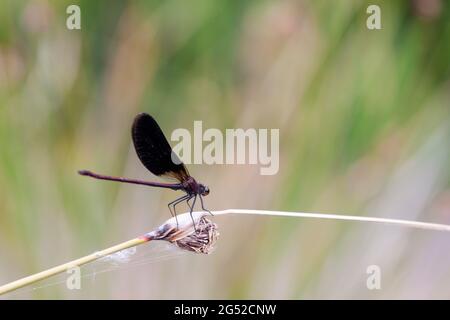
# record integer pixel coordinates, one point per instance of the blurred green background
(364, 129)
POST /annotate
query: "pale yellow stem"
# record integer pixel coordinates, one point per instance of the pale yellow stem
(66, 266)
(314, 215)
(134, 242)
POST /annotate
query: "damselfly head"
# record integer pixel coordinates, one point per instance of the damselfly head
(204, 190)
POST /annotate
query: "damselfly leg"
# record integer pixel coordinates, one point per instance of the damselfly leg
(173, 205)
(203, 206)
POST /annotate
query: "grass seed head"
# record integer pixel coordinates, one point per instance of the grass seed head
(200, 239)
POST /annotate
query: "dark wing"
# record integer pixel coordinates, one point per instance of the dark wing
(153, 149)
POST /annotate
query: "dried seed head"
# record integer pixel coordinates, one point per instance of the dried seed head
(200, 239)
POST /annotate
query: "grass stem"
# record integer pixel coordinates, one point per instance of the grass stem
(137, 241)
(66, 266)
